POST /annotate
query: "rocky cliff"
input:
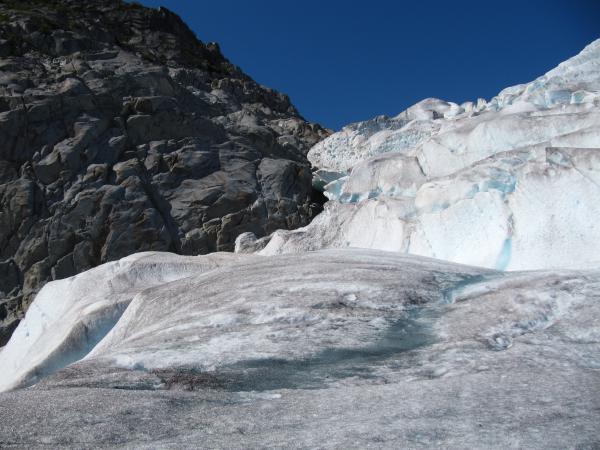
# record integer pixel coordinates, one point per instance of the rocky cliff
(122, 132)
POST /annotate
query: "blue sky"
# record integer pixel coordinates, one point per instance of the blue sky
(344, 61)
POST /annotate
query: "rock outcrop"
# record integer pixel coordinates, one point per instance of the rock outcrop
(122, 132)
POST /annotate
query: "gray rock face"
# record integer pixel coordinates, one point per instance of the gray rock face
(121, 132)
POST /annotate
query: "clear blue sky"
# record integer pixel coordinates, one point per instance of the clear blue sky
(345, 61)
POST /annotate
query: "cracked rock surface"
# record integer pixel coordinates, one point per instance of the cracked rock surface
(121, 132)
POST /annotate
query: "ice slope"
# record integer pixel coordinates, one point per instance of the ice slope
(345, 348)
(509, 184)
(274, 308)
(69, 317)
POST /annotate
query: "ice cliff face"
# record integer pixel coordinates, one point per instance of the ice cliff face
(509, 184)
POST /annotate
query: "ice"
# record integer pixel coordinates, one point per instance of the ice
(511, 183)
(69, 317)
(392, 175)
(351, 344)
(146, 297)
(523, 209)
(452, 136)
(358, 141)
(333, 189)
(321, 178)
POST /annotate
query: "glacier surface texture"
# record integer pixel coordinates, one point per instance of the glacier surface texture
(509, 184)
(447, 297)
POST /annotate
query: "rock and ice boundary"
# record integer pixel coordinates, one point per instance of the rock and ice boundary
(320, 338)
(509, 184)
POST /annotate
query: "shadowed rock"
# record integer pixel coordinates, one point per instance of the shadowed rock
(122, 132)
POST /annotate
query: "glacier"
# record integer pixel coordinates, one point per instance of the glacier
(509, 184)
(69, 317)
(448, 296)
(338, 348)
(471, 131)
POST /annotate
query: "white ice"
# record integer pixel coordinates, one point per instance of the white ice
(559, 108)
(348, 345)
(510, 184)
(69, 317)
